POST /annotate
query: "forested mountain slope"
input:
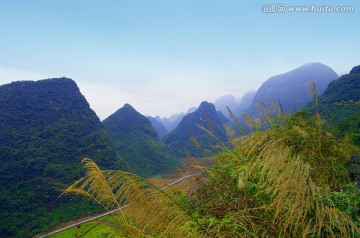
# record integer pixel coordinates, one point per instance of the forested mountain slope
(137, 142)
(46, 129)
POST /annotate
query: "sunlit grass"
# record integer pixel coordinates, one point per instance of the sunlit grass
(96, 229)
(86, 230)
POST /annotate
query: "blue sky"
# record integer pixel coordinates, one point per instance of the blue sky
(165, 56)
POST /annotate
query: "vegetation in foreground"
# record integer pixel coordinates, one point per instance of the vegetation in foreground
(94, 229)
(290, 180)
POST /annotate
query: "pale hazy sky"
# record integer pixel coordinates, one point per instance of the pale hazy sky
(165, 56)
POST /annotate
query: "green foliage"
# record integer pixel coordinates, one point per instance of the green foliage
(340, 105)
(348, 201)
(303, 134)
(87, 230)
(287, 179)
(281, 182)
(47, 127)
(355, 70)
(137, 142)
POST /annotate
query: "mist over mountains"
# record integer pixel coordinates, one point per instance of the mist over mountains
(224, 102)
(158, 126)
(245, 102)
(169, 123)
(290, 89)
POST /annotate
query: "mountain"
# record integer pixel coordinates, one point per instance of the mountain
(222, 103)
(137, 142)
(173, 121)
(292, 88)
(245, 102)
(340, 105)
(46, 129)
(179, 140)
(158, 126)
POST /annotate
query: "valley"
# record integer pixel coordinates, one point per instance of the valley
(48, 127)
(179, 119)
(178, 181)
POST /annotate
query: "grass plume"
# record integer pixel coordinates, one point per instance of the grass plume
(150, 211)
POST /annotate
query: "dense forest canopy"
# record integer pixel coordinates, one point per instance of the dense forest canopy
(47, 128)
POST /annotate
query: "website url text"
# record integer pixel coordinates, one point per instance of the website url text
(282, 8)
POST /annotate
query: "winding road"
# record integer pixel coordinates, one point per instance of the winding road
(110, 212)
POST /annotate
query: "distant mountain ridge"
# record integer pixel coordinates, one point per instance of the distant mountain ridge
(173, 121)
(47, 128)
(138, 143)
(245, 102)
(292, 88)
(158, 126)
(179, 140)
(224, 102)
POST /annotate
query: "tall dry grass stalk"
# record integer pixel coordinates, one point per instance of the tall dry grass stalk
(298, 205)
(302, 207)
(295, 166)
(150, 212)
(303, 135)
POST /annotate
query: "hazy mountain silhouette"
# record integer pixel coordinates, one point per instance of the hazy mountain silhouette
(222, 103)
(292, 88)
(245, 102)
(180, 141)
(173, 121)
(158, 126)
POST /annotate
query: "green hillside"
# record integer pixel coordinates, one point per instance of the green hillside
(340, 105)
(46, 129)
(137, 142)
